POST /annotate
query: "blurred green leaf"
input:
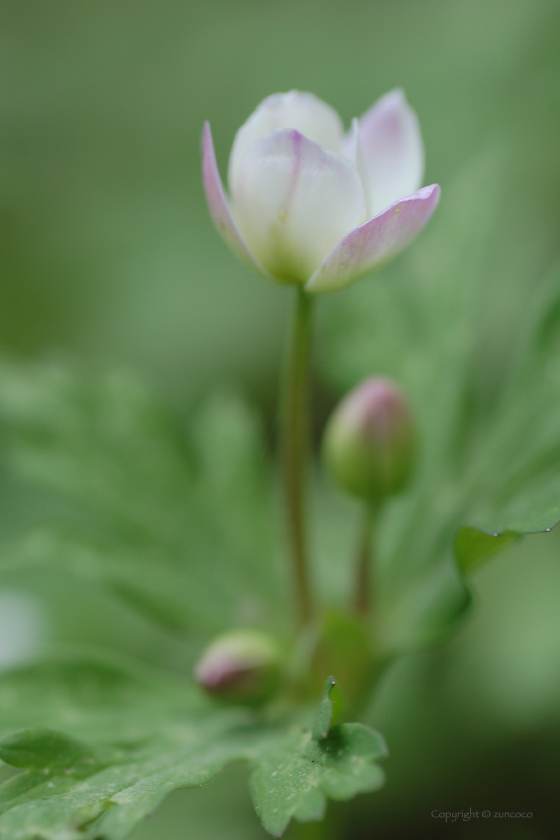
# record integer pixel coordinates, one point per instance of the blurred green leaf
(474, 547)
(179, 526)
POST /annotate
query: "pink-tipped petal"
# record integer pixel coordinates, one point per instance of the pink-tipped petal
(219, 207)
(294, 201)
(393, 151)
(352, 149)
(371, 245)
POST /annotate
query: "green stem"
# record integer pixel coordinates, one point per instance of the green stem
(366, 558)
(295, 435)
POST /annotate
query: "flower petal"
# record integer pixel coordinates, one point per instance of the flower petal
(393, 151)
(352, 149)
(294, 201)
(374, 243)
(218, 204)
(302, 111)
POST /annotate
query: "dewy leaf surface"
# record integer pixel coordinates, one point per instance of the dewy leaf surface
(472, 336)
(142, 735)
(295, 779)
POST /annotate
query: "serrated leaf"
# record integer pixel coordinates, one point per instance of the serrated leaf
(146, 732)
(139, 504)
(121, 737)
(296, 780)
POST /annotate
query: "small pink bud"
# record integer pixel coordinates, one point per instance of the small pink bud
(369, 444)
(243, 667)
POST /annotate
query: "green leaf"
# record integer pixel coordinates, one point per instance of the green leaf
(146, 733)
(179, 525)
(109, 740)
(473, 548)
(296, 779)
(45, 749)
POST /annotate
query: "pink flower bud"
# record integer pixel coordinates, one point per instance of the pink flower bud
(242, 666)
(370, 442)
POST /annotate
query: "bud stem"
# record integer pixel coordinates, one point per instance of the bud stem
(295, 434)
(366, 557)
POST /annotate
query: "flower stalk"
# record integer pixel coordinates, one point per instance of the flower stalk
(295, 442)
(366, 558)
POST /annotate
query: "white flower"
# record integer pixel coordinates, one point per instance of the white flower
(313, 206)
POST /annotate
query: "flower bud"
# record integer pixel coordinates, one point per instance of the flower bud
(370, 441)
(242, 666)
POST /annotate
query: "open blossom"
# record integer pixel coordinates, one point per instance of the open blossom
(311, 205)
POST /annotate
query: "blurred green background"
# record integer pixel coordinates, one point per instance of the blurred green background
(108, 253)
